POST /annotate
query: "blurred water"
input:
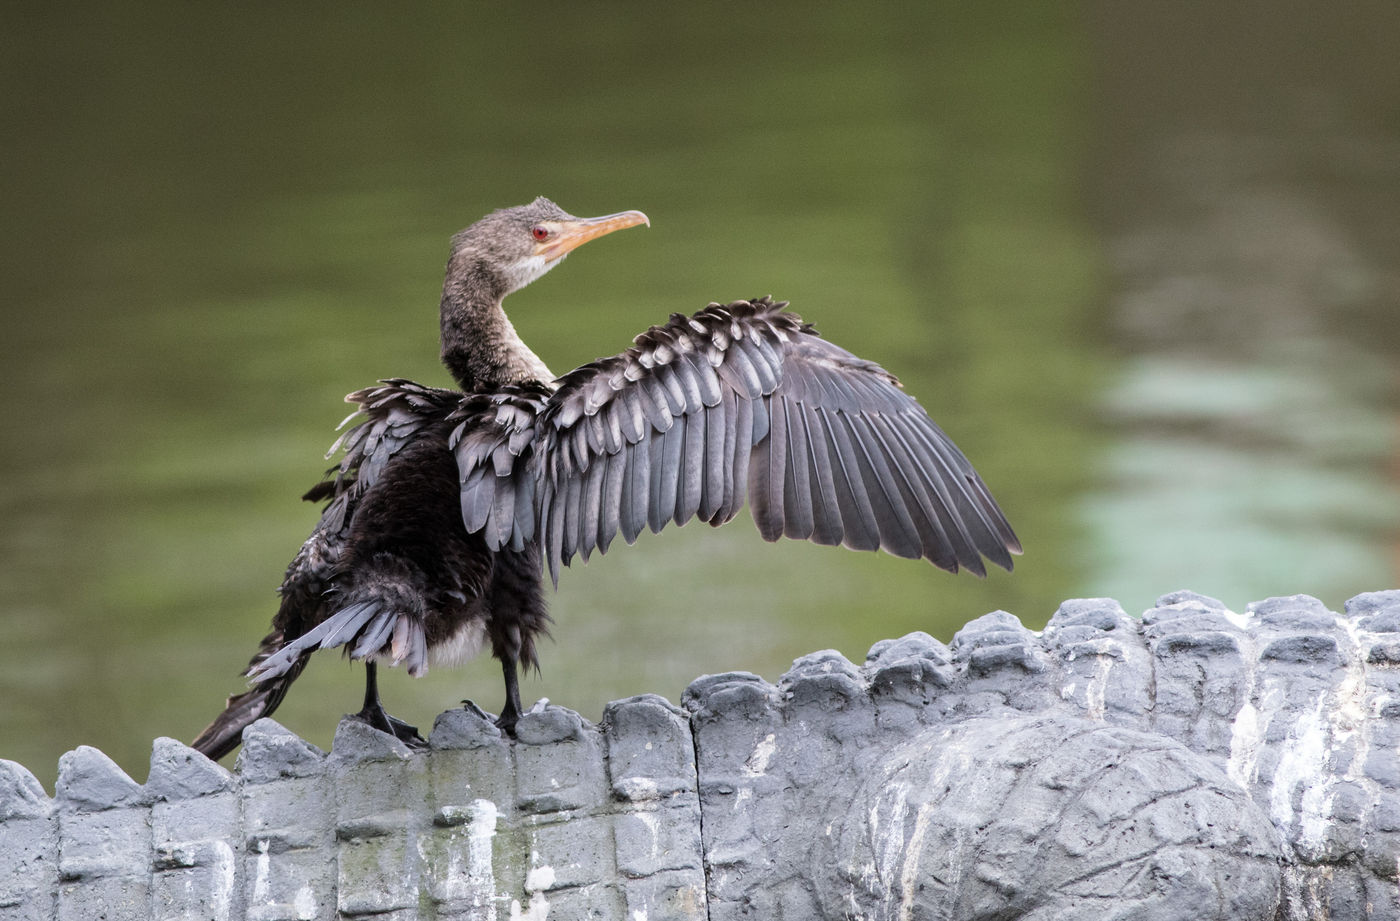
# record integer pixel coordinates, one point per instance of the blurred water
(1158, 316)
(1249, 197)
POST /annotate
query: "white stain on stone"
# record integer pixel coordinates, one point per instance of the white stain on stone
(221, 898)
(537, 910)
(887, 837)
(1309, 767)
(1246, 735)
(762, 756)
(536, 882)
(909, 877)
(650, 821)
(304, 903)
(1248, 731)
(1351, 712)
(1250, 722)
(262, 871)
(1098, 684)
(1239, 620)
(639, 789)
(898, 823)
(481, 876)
(539, 879)
(1303, 763)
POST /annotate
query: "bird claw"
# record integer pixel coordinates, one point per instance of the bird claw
(505, 722)
(471, 707)
(510, 715)
(393, 726)
(407, 734)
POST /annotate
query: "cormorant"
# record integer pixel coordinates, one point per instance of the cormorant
(447, 504)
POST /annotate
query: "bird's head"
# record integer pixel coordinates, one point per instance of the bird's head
(520, 244)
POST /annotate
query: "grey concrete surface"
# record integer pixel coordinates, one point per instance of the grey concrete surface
(1192, 763)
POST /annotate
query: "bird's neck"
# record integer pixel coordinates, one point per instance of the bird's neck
(479, 345)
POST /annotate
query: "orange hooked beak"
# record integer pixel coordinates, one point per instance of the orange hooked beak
(565, 236)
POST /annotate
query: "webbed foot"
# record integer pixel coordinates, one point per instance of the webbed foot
(373, 713)
(376, 717)
(507, 720)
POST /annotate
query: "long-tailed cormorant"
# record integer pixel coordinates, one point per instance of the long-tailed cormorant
(447, 504)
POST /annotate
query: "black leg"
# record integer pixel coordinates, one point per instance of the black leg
(373, 712)
(372, 704)
(510, 713)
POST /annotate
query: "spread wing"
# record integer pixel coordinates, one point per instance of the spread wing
(391, 414)
(737, 402)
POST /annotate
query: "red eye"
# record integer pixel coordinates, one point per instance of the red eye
(540, 233)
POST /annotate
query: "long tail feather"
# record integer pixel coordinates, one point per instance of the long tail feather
(225, 733)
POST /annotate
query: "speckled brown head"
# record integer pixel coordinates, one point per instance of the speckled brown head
(501, 253)
(518, 245)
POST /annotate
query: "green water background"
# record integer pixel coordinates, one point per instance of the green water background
(1139, 261)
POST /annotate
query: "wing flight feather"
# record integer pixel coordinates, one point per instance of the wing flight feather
(740, 401)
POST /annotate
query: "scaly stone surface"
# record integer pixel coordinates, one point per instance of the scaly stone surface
(28, 846)
(1191, 763)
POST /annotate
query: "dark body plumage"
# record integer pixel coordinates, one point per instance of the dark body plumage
(447, 505)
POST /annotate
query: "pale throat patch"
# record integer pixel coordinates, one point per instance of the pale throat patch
(521, 273)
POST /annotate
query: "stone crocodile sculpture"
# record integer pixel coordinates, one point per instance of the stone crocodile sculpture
(1190, 763)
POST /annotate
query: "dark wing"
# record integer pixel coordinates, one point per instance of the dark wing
(493, 439)
(390, 416)
(738, 401)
